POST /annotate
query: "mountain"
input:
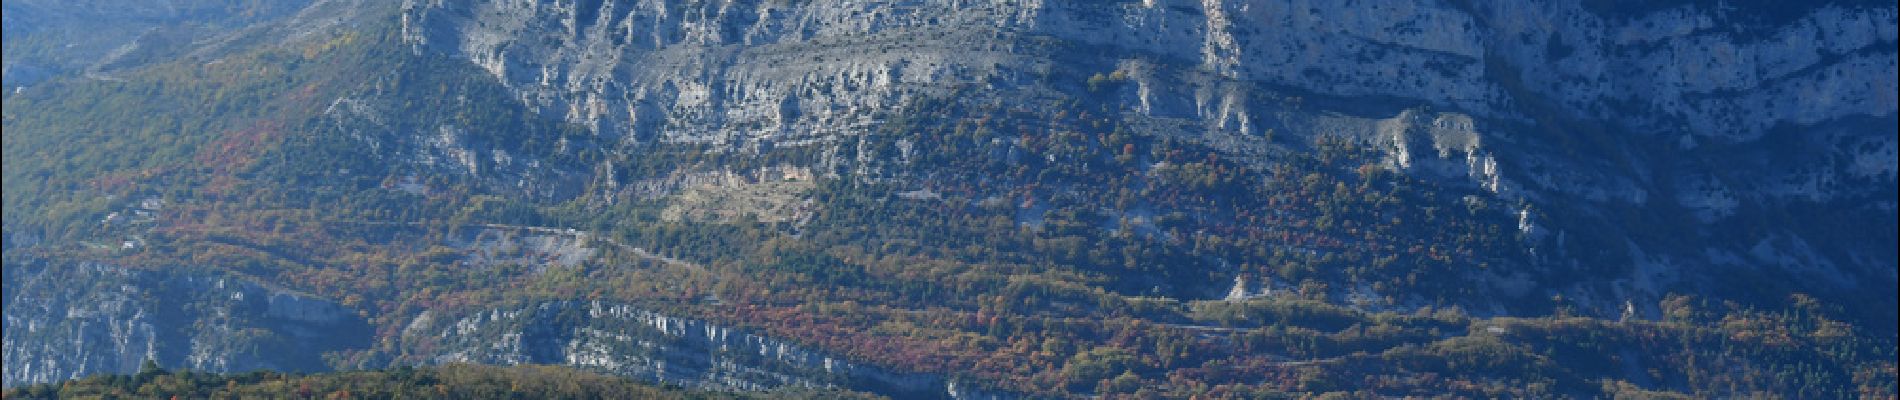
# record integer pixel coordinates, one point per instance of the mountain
(53, 38)
(966, 199)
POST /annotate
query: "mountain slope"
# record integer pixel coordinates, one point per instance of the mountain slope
(1214, 198)
(1640, 159)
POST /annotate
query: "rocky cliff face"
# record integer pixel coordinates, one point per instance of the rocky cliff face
(68, 320)
(627, 341)
(751, 69)
(1569, 110)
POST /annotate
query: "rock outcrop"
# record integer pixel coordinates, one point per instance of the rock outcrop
(68, 320)
(627, 341)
